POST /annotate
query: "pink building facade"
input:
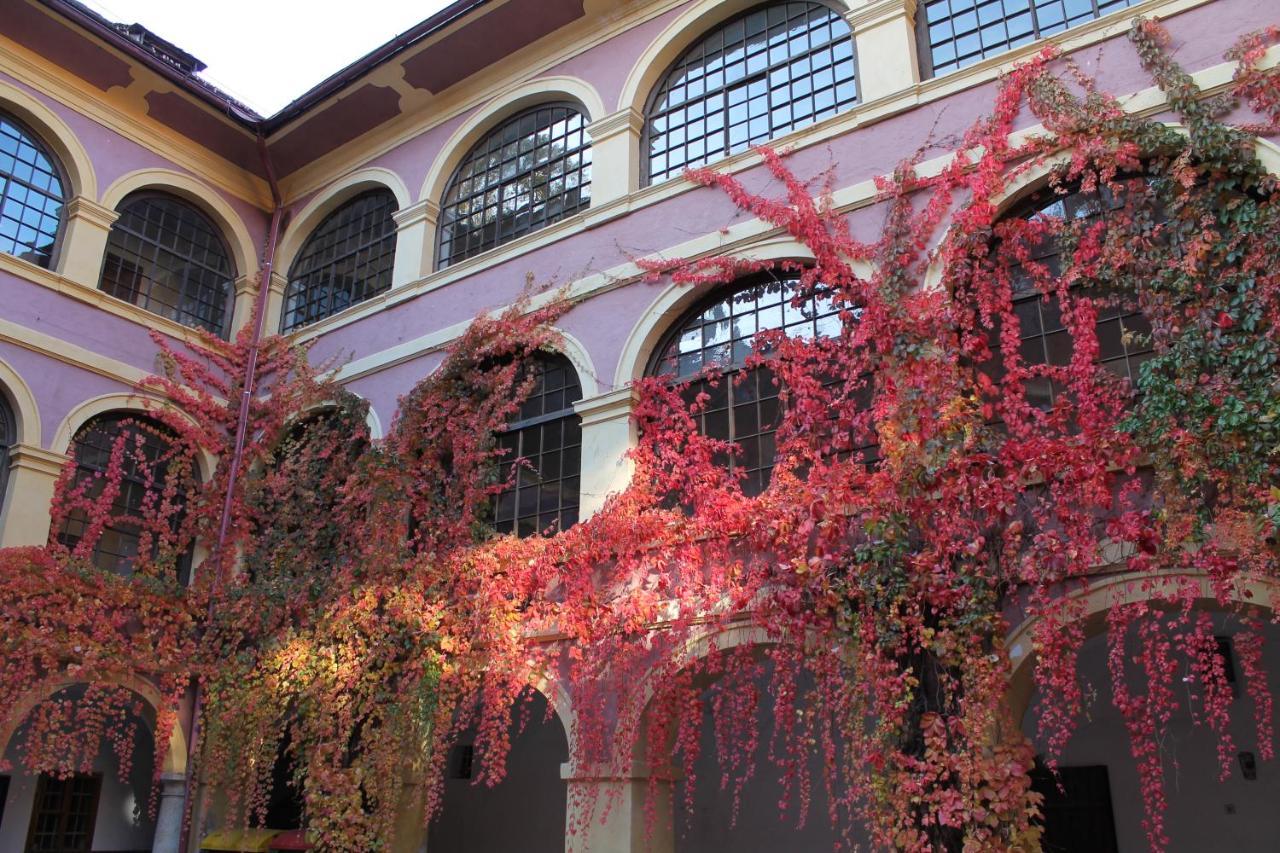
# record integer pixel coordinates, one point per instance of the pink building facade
(146, 205)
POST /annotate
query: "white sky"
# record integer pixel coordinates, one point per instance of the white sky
(268, 52)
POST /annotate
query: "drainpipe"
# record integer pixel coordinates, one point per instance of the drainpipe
(237, 459)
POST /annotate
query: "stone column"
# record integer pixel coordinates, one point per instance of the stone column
(615, 155)
(607, 434)
(33, 472)
(884, 34)
(606, 812)
(415, 242)
(168, 837)
(84, 240)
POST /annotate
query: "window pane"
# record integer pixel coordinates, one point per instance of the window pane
(1122, 331)
(8, 437)
(346, 260)
(538, 172)
(31, 194)
(767, 72)
(743, 405)
(956, 33)
(546, 444)
(165, 256)
(146, 449)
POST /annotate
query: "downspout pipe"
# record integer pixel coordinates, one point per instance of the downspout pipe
(237, 460)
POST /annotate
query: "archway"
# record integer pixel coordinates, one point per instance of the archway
(728, 685)
(526, 810)
(103, 806)
(1100, 797)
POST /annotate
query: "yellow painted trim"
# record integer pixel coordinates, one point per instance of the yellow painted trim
(123, 112)
(136, 401)
(433, 111)
(572, 349)
(97, 298)
(506, 103)
(26, 412)
(54, 132)
(1102, 594)
(330, 199)
(244, 249)
(675, 299)
(1147, 101)
(71, 354)
(175, 760)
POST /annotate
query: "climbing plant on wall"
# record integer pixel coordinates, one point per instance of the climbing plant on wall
(934, 480)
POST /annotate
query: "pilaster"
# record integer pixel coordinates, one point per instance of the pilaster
(168, 836)
(275, 303)
(615, 155)
(884, 34)
(84, 240)
(33, 472)
(606, 811)
(415, 242)
(246, 287)
(607, 434)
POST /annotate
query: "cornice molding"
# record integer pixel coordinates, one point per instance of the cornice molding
(879, 12)
(87, 210)
(572, 41)
(624, 121)
(91, 295)
(609, 406)
(37, 459)
(424, 211)
(28, 68)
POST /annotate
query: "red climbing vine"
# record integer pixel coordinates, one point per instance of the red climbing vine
(935, 485)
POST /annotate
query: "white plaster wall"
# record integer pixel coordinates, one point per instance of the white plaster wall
(525, 812)
(760, 826)
(122, 823)
(1197, 820)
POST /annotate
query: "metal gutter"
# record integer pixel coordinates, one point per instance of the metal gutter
(248, 387)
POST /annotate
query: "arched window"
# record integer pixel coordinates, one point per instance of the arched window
(8, 438)
(1124, 335)
(532, 170)
(31, 194)
(548, 438)
(347, 259)
(763, 73)
(720, 331)
(954, 33)
(167, 257)
(146, 453)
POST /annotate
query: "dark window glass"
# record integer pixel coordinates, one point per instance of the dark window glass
(530, 171)
(31, 194)
(346, 260)
(743, 405)
(1076, 811)
(548, 438)
(167, 257)
(147, 448)
(954, 33)
(1124, 335)
(63, 814)
(770, 70)
(8, 437)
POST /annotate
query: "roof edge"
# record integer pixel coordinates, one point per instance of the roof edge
(242, 114)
